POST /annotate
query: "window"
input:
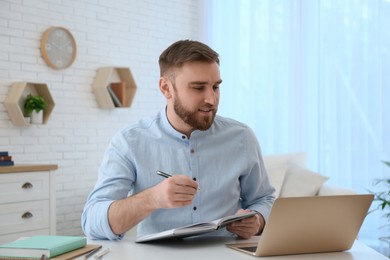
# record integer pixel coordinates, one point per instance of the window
(311, 76)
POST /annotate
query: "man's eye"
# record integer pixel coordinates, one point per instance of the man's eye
(198, 88)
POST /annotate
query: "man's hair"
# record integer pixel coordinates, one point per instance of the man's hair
(185, 51)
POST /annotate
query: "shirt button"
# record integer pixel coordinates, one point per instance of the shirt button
(194, 179)
(192, 151)
(183, 137)
(194, 208)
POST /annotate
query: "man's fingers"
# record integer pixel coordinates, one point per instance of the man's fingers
(178, 191)
(183, 180)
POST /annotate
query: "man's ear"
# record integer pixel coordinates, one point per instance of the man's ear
(165, 87)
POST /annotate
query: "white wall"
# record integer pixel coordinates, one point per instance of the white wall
(129, 33)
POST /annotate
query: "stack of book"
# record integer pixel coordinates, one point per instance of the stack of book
(47, 247)
(5, 159)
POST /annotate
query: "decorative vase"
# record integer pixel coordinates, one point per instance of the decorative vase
(37, 118)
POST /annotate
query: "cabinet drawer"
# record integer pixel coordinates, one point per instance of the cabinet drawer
(16, 187)
(24, 216)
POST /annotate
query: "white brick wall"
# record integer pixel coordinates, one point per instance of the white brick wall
(130, 33)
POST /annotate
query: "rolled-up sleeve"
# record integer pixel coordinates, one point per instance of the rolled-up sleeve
(115, 181)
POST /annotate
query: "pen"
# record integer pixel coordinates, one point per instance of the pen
(165, 175)
(102, 253)
(92, 252)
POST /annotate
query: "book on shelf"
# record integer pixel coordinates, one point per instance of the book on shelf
(4, 153)
(5, 158)
(38, 246)
(196, 229)
(114, 97)
(6, 163)
(119, 88)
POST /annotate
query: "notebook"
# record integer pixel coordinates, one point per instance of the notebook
(36, 246)
(301, 225)
(195, 229)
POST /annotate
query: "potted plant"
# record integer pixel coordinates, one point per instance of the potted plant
(34, 107)
(383, 197)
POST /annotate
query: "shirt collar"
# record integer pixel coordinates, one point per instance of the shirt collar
(169, 128)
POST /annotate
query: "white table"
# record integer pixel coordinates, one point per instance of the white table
(214, 248)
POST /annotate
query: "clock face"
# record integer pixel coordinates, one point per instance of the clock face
(58, 47)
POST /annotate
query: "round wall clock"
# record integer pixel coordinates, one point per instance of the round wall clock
(58, 47)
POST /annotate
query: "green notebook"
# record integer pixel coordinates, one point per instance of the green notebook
(36, 246)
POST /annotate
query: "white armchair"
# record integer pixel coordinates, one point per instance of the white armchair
(290, 177)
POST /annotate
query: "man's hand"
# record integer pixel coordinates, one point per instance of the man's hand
(176, 191)
(248, 227)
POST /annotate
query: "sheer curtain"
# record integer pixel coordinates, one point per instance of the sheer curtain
(311, 76)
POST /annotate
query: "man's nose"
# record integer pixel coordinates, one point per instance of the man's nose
(211, 97)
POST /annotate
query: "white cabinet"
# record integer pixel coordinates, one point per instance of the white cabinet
(27, 201)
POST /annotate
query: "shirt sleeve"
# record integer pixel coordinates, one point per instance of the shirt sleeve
(257, 191)
(115, 181)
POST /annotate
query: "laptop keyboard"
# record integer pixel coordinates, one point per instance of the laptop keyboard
(249, 248)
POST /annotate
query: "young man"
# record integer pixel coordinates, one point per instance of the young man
(215, 162)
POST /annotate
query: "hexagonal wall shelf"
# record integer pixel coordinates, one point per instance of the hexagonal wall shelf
(14, 102)
(104, 78)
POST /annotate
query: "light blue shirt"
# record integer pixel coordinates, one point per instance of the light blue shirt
(225, 160)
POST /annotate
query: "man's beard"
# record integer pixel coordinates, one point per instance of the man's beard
(190, 118)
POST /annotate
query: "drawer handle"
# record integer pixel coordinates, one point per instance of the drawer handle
(27, 215)
(27, 185)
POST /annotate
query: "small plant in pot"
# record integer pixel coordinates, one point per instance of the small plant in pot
(34, 107)
(383, 197)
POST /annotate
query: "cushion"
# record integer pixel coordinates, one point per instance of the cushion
(276, 177)
(276, 166)
(300, 182)
(278, 159)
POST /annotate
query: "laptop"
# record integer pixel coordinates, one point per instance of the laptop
(302, 225)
